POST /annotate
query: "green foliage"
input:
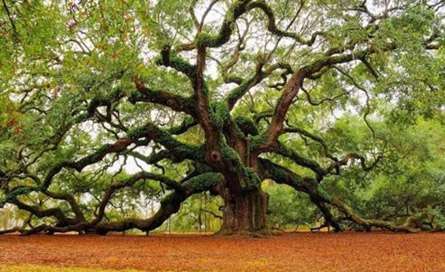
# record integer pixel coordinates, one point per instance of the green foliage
(289, 209)
(408, 181)
(199, 213)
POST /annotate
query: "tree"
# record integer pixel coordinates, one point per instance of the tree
(210, 95)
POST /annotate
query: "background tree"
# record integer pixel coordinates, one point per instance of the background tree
(208, 96)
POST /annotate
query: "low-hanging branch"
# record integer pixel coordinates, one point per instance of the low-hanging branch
(318, 196)
(169, 205)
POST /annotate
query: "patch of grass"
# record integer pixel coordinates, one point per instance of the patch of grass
(43, 268)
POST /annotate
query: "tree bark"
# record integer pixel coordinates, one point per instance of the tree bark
(244, 213)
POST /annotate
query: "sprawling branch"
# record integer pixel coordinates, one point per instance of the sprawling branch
(289, 92)
(321, 198)
(165, 98)
(130, 182)
(119, 146)
(295, 83)
(300, 160)
(237, 10)
(149, 131)
(202, 99)
(169, 205)
(247, 84)
(169, 59)
(62, 219)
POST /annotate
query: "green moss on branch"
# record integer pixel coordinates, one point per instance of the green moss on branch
(219, 114)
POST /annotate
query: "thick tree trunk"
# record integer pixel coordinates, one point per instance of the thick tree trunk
(244, 213)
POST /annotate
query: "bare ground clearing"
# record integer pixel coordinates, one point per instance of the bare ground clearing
(288, 252)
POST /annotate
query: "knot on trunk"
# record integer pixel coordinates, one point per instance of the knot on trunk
(215, 156)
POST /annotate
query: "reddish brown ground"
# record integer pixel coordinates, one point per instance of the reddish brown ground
(289, 252)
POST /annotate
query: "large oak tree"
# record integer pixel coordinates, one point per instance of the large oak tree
(227, 92)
